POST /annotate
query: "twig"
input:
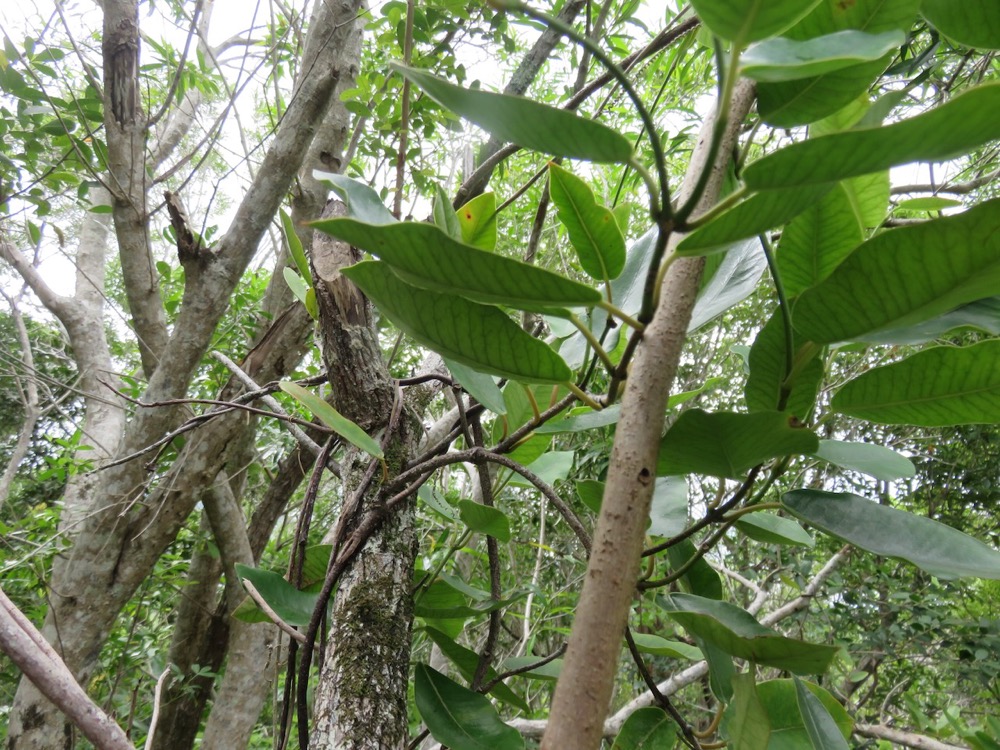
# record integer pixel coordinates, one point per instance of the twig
(157, 697)
(282, 625)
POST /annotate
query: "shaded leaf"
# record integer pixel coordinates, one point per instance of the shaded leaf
(425, 256)
(700, 578)
(874, 460)
(525, 122)
(363, 203)
(648, 643)
(746, 21)
(726, 444)
(974, 23)
(648, 728)
(937, 387)
(983, 315)
(467, 660)
(787, 729)
(947, 131)
(824, 734)
(332, 418)
(295, 248)
(668, 514)
(592, 228)
(445, 217)
(485, 519)
(734, 280)
(550, 467)
(591, 493)
(772, 529)
(290, 604)
(768, 372)
(904, 276)
(479, 336)
(782, 59)
(737, 633)
(458, 717)
(747, 724)
(548, 671)
(479, 385)
(435, 502)
(940, 550)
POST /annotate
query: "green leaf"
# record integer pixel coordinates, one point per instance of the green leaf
(467, 660)
(648, 643)
(734, 280)
(875, 460)
(747, 725)
(593, 230)
(478, 220)
(824, 734)
(582, 420)
(768, 367)
(953, 129)
(435, 502)
(648, 728)
(816, 241)
(746, 21)
(423, 255)
(548, 672)
(479, 336)
(591, 493)
(940, 550)
(700, 578)
(781, 59)
(904, 276)
(315, 564)
(363, 203)
(974, 23)
(725, 444)
(550, 468)
(778, 699)
(485, 519)
(937, 387)
(332, 418)
(737, 633)
(299, 288)
(982, 315)
(458, 717)
(526, 123)
(480, 386)
(668, 514)
(295, 248)
(929, 203)
(772, 529)
(444, 215)
(752, 217)
(291, 605)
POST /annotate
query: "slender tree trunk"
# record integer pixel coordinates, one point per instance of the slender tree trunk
(583, 693)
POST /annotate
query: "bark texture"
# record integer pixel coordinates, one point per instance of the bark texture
(583, 693)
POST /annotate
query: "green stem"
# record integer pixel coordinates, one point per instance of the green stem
(621, 315)
(733, 515)
(786, 320)
(593, 341)
(724, 205)
(584, 397)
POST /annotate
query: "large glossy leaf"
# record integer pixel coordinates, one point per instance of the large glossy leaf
(332, 418)
(875, 460)
(974, 23)
(592, 228)
(725, 444)
(936, 387)
(772, 529)
(290, 604)
(940, 550)
(525, 122)
(648, 643)
(953, 129)
(467, 660)
(646, 729)
(425, 256)
(733, 281)
(816, 241)
(906, 275)
(747, 726)
(363, 203)
(769, 371)
(736, 632)
(778, 697)
(824, 734)
(746, 21)
(755, 215)
(479, 336)
(781, 59)
(484, 519)
(458, 717)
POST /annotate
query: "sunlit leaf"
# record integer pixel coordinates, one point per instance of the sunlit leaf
(592, 228)
(445, 217)
(363, 203)
(478, 221)
(940, 550)
(295, 248)
(937, 387)
(332, 418)
(648, 643)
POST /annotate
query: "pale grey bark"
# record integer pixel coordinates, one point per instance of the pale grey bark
(119, 541)
(28, 388)
(583, 692)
